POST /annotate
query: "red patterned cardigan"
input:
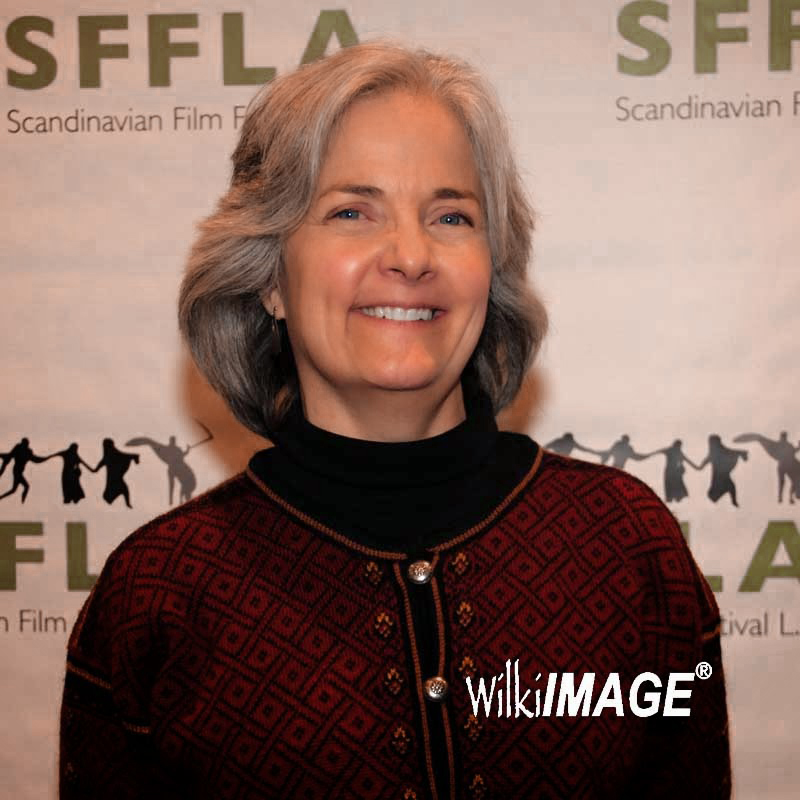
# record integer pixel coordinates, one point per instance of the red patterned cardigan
(233, 648)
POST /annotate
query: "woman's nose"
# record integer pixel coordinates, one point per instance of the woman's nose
(408, 253)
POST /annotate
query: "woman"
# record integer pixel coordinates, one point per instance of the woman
(307, 629)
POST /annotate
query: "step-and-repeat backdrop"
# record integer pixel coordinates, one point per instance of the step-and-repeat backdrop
(659, 142)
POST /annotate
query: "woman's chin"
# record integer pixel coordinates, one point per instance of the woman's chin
(421, 377)
(401, 383)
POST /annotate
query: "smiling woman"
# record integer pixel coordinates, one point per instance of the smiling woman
(315, 627)
(395, 234)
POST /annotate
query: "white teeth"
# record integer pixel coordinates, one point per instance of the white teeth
(399, 314)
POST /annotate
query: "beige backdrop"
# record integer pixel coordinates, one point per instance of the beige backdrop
(667, 251)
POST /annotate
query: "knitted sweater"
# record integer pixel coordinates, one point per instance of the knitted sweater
(237, 647)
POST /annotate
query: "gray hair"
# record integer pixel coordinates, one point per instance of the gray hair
(237, 256)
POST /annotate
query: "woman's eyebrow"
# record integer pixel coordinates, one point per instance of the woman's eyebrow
(353, 188)
(443, 193)
(446, 193)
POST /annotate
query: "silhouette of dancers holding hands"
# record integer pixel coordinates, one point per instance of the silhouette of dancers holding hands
(116, 463)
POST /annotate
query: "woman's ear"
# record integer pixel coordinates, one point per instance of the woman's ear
(273, 302)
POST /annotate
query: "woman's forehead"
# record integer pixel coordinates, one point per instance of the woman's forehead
(400, 138)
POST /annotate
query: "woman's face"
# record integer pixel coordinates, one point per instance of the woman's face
(387, 279)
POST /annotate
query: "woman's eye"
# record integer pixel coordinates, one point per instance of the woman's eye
(455, 219)
(347, 213)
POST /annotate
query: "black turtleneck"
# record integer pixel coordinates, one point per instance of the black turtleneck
(404, 496)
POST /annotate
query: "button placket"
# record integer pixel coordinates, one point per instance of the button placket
(419, 586)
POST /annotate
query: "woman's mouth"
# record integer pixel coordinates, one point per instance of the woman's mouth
(400, 314)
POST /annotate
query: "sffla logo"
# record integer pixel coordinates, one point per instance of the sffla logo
(639, 23)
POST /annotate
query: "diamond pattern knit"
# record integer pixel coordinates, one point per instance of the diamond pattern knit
(235, 649)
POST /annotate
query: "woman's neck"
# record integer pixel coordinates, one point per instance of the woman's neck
(382, 415)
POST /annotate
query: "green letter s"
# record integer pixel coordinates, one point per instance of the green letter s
(630, 27)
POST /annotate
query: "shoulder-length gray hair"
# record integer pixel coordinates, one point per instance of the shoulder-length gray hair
(237, 256)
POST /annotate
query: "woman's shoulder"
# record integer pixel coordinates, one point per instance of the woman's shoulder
(592, 496)
(615, 512)
(621, 515)
(597, 488)
(207, 524)
(160, 561)
(613, 526)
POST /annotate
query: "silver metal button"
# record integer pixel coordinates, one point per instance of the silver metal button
(436, 689)
(420, 572)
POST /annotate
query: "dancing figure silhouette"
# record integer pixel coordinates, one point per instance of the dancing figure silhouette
(784, 452)
(71, 488)
(674, 487)
(22, 455)
(116, 463)
(564, 445)
(175, 459)
(621, 452)
(723, 460)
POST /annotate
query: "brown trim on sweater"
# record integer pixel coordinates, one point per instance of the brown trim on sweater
(318, 525)
(145, 729)
(497, 511)
(389, 554)
(87, 676)
(707, 636)
(418, 674)
(437, 602)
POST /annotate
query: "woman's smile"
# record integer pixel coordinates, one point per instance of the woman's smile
(398, 314)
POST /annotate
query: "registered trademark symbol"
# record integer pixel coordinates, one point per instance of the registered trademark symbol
(703, 670)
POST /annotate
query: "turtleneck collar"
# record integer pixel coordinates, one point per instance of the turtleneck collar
(396, 495)
(392, 465)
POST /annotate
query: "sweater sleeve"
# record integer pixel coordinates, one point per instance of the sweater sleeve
(106, 747)
(688, 757)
